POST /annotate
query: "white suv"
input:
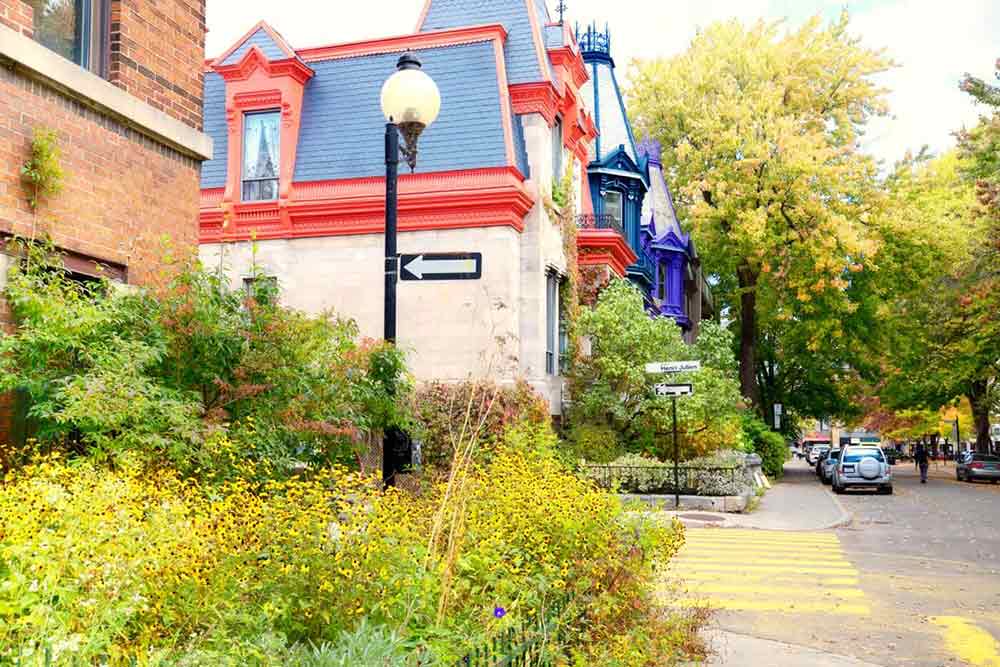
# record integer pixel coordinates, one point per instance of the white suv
(862, 466)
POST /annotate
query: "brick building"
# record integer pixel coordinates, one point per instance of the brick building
(121, 85)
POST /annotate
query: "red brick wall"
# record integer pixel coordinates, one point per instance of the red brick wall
(17, 15)
(158, 52)
(122, 192)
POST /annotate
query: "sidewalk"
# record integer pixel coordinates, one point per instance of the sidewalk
(733, 650)
(797, 502)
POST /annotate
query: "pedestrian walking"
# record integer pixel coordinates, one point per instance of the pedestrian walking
(921, 459)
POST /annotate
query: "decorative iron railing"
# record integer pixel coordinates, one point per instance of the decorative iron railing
(693, 480)
(599, 221)
(527, 643)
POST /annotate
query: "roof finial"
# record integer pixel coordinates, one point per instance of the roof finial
(561, 8)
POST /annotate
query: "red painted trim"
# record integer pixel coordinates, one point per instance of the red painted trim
(573, 62)
(540, 97)
(423, 15)
(505, 103)
(423, 40)
(442, 200)
(604, 246)
(537, 37)
(588, 202)
(255, 59)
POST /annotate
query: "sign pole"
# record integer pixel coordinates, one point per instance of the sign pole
(677, 483)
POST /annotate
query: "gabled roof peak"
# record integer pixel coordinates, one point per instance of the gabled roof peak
(264, 37)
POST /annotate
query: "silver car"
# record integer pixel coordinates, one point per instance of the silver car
(817, 451)
(972, 466)
(828, 464)
(862, 467)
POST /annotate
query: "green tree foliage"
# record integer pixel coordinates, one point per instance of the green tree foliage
(762, 129)
(612, 391)
(42, 174)
(109, 368)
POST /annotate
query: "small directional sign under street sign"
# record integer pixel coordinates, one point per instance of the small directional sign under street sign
(672, 366)
(673, 389)
(441, 266)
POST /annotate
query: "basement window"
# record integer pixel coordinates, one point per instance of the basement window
(78, 30)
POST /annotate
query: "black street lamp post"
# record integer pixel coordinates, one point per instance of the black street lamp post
(410, 102)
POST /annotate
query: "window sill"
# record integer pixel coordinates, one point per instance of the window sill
(74, 81)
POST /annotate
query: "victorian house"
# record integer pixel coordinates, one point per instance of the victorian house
(630, 196)
(295, 189)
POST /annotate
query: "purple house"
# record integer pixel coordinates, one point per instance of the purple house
(679, 289)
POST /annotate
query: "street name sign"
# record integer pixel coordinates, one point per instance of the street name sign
(672, 366)
(673, 389)
(441, 266)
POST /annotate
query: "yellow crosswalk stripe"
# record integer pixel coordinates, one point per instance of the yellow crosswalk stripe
(968, 641)
(785, 591)
(755, 570)
(790, 606)
(773, 577)
(757, 560)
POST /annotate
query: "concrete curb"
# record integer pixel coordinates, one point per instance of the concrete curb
(728, 647)
(734, 521)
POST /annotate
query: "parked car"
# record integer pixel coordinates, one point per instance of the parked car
(860, 467)
(973, 466)
(816, 452)
(828, 463)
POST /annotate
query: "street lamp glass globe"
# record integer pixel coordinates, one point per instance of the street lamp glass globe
(410, 96)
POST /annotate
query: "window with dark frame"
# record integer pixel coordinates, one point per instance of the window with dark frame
(263, 289)
(553, 325)
(261, 156)
(613, 206)
(78, 30)
(663, 281)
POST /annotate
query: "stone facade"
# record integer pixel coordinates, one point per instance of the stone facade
(130, 141)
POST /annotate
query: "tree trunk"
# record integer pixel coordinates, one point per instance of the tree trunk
(748, 334)
(980, 415)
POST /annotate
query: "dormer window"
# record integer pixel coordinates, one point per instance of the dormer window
(261, 155)
(613, 207)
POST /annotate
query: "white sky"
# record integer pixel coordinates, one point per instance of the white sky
(934, 42)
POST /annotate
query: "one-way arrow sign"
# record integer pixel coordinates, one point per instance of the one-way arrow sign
(441, 266)
(673, 389)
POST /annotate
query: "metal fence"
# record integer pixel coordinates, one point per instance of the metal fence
(693, 480)
(535, 643)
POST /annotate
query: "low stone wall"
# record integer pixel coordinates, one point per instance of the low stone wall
(706, 503)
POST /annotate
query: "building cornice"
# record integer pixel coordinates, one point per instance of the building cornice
(38, 62)
(604, 246)
(423, 40)
(488, 197)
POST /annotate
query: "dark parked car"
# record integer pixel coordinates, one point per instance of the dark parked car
(973, 466)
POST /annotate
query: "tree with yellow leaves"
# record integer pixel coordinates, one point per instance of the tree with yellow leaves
(763, 127)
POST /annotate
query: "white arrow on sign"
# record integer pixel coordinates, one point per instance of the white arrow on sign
(673, 389)
(673, 366)
(418, 266)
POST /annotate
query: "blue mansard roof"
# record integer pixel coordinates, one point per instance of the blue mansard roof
(341, 134)
(524, 40)
(603, 95)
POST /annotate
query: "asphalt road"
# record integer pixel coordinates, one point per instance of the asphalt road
(913, 580)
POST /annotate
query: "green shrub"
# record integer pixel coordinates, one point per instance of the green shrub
(173, 373)
(769, 445)
(596, 443)
(445, 414)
